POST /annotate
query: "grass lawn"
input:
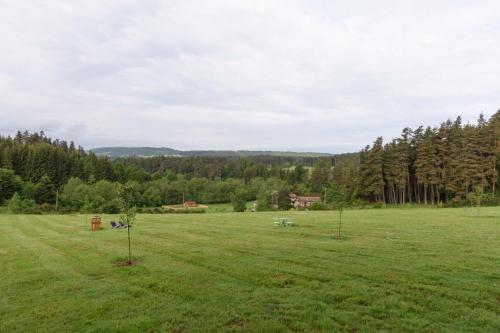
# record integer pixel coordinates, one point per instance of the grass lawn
(430, 270)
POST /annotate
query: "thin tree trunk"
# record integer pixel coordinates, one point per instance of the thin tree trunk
(415, 190)
(432, 194)
(129, 252)
(408, 181)
(383, 190)
(390, 194)
(417, 193)
(340, 223)
(494, 179)
(438, 195)
(425, 195)
(445, 186)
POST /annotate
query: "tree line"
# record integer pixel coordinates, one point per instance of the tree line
(441, 165)
(38, 173)
(436, 165)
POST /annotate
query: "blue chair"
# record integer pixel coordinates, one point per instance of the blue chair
(115, 225)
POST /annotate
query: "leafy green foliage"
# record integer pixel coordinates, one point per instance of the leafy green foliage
(477, 197)
(18, 205)
(10, 183)
(239, 200)
(321, 174)
(339, 201)
(45, 191)
(317, 206)
(337, 196)
(273, 195)
(129, 215)
(437, 166)
(433, 165)
(15, 204)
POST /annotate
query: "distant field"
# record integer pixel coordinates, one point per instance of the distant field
(220, 208)
(429, 270)
(225, 207)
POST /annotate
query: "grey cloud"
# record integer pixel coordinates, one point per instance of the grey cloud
(308, 75)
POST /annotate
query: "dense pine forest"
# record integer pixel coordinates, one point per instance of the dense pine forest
(433, 165)
(445, 165)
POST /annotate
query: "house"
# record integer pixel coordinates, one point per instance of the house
(303, 201)
(190, 204)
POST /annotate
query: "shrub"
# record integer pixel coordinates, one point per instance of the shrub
(359, 203)
(10, 183)
(111, 207)
(29, 206)
(150, 210)
(317, 206)
(491, 200)
(239, 201)
(378, 205)
(15, 204)
(185, 210)
(46, 207)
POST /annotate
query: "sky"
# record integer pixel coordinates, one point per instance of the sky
(315, 75)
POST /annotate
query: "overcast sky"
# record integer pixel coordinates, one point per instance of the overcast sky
(310, 75)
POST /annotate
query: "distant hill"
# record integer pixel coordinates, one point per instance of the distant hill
(117, 152)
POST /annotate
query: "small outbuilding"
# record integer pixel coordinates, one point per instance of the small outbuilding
(190, 204)
(303, 201)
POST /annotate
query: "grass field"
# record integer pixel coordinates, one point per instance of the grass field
(433, 270)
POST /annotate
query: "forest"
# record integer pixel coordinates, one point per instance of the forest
(448, 165)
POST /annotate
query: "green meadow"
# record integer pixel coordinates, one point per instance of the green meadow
(401, 270)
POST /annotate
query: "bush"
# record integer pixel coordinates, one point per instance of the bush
(317, 206)
(359, 203)
(46, 207)
(491, 200)
(150, 210)
(185, 210)
(378, 205)
(29, 207)
(17, 206)
(9, 184)
(263, 200)
(111, 207)
(239, 201)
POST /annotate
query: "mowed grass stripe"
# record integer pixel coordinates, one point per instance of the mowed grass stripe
(399, 270)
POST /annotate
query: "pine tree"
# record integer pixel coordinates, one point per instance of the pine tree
(45, 191)
(403, 159)
(321, 174)
(372, 169)
(390, 161)
(425, 165)
(494, 130)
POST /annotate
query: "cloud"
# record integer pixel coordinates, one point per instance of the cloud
(304, 75)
